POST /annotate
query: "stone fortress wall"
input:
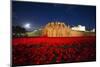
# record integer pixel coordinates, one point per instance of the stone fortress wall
(59, 29)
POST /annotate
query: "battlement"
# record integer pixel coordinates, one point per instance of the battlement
(60, 29)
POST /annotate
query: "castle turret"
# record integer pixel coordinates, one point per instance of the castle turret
(56, 29)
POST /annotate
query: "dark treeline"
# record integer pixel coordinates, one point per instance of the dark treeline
(18, 31)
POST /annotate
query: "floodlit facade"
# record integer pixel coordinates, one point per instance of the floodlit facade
(60, 29)
(93, 30)
(79, 28)
(55, 29)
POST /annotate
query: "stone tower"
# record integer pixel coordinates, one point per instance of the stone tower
(56, 29)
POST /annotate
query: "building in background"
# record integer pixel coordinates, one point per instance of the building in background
(79, 28)
(60, 29)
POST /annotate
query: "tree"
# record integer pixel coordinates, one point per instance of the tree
(18, 31)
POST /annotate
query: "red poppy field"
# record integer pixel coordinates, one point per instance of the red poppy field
(51, 50)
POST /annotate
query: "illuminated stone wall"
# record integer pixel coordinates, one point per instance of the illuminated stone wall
(56, 29)
(59, 29)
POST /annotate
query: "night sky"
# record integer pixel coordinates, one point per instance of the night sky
(39, 14)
